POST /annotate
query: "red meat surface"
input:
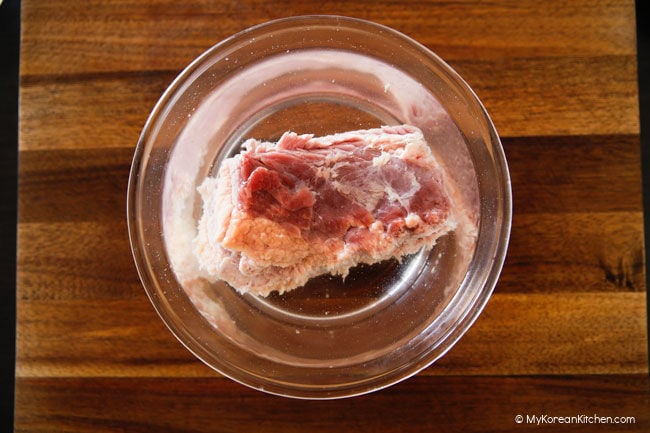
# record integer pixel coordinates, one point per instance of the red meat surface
(280, 213)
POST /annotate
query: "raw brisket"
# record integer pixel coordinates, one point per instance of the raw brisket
(280, 213)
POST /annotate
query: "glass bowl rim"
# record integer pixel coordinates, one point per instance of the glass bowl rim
(499, 160)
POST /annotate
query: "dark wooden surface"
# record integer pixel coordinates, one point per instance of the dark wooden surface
(564, 334)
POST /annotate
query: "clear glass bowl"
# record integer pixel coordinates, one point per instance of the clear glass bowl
(333, 337)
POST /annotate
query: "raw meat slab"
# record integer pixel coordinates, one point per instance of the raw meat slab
(278, 214)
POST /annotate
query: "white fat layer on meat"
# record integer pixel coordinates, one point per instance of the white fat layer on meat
(381, 160)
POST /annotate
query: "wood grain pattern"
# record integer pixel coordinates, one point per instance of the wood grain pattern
(549, 175)
(440, 404)
(576, 199)
(109, 110)
(130, 35)
(601, 252)
(112, 79)
(89, 112)
(564, 334)
(560, 333)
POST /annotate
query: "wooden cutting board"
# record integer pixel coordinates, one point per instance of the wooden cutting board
(565, 333)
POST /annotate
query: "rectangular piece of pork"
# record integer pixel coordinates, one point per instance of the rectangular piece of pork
(278, 214)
